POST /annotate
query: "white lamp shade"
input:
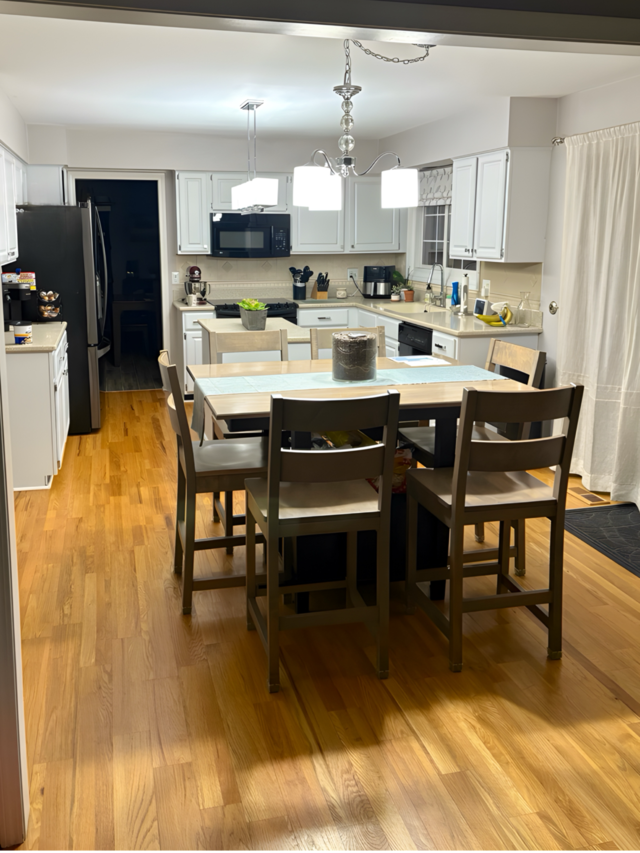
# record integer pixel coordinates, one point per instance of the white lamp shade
(399, 188)
(328, 195)
(261, 192)
(317, 188)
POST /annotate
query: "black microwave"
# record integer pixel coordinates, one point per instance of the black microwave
(252, 235)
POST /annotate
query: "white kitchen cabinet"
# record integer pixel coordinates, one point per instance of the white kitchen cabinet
(391, 348)
(223, 182)
(317, 231)
(10, 190)
(328, 317)
(4, 212)
(192, 355)
(369, 320)
(370, 227)
(463, 207)
(21, 182)
(39, 410)
(499, 206)
(193, 203)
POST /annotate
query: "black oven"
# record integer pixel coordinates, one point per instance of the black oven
(252, 235)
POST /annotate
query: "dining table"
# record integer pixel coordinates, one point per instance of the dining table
(240, 394)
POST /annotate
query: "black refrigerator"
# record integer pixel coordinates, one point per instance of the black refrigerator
(64, 247)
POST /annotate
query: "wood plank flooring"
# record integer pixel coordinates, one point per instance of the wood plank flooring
(147, 729)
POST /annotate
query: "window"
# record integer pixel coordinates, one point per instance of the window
(435, 240)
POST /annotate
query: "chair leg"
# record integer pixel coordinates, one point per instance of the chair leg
(455, 598)
(382, 601)
(189, 537)
(521, 556)
(556, 560)
(216, 515)
(228, 518)
(180, 505)
(504, 547)
(352, 568)
(480, 531)
(412, 554)
(273, 616)
(250, 565)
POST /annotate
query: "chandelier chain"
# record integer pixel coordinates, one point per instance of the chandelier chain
(394, 59)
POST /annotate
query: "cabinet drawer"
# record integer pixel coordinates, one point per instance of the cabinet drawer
(190, 320)
(317, 317)
(444, 345)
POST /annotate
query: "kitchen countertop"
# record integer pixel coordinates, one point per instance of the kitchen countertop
(438, 319)
(295, 334)
(46, 337)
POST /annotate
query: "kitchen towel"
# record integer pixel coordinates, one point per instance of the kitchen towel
(291, 382)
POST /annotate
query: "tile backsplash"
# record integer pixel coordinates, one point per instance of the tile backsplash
(259, 276)
(508, 281)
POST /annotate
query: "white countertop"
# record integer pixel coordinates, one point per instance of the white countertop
(438, 319)
(295, 334)
(46, 337)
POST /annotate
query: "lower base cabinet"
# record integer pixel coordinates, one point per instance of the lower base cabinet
(39, 414)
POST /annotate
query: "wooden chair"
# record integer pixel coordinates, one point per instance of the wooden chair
(323, 339)
(314, 491)
(501, 354)
(207, 467)
(269, 340)
(489, 482)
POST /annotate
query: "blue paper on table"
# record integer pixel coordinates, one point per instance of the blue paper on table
(287, 383)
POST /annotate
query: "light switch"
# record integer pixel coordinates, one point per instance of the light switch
(175, 278)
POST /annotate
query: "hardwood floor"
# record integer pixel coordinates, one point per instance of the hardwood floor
(147, 729)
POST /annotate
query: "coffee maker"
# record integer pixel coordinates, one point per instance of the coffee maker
(14, 297)
(377, 282)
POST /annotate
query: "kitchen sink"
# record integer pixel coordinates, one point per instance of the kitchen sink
(410, 308)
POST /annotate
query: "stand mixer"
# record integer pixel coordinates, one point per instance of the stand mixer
(195, 288)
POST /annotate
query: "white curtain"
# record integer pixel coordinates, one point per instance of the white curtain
(599, 330)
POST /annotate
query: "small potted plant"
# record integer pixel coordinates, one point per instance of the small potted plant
(396, 290)
(406, 288)
(253, 314)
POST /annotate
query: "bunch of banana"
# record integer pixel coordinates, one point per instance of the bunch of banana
(505, 316)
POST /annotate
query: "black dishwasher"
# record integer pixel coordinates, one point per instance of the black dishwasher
(414, 340)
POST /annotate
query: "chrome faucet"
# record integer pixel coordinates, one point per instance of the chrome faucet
(440, 300)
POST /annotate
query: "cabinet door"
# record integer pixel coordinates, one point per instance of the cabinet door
(192, 194)
(192, 355)
(317, 230)
(463, 206)
(392, 349)
(4, 232)
(21, 182)
(490, 205)
(372, 228)
(223, 182)
(62, 413)
(10, 197)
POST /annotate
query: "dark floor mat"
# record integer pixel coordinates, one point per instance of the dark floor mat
(612, 530)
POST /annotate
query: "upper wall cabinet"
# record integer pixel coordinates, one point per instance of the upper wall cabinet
(8, 201)
(362, 226)
(223, 182)
(499, 206)
(371, 228)
(193, 203)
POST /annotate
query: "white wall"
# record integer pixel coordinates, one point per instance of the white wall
(97, 148)
(465, 133)
(592, 109)
(13, 130)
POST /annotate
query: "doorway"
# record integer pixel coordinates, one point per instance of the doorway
(128, 211)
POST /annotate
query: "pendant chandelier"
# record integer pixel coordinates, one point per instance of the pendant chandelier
(320, 186)
(256, 193)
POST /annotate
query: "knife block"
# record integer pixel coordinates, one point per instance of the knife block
(318, 294)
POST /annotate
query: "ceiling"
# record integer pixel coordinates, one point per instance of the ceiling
(97, 74)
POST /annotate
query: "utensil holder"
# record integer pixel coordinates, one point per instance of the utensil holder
(299, 291)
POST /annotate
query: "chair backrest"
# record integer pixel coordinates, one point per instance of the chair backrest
(518, 407)
(323, 339)
(524, 359)
(177, 410)
(333, 466)
(269, 340)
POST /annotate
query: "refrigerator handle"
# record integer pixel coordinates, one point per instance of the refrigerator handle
(103, 307)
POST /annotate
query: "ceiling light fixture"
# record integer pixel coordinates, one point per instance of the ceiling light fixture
(256, 193)
(319, 187)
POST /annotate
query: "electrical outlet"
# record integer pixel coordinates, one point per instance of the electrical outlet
(486, 287)
(352, 272)
(175, 278)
